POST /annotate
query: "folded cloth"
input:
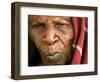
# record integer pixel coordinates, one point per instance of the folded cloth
(80, 50)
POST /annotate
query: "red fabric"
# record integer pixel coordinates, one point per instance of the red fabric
(80, 52)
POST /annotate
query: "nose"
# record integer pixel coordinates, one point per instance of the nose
(50, 37)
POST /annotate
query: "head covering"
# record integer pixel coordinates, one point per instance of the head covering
(80, 50)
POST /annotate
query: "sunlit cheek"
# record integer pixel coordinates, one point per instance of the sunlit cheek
(37, 42)
(35, 37)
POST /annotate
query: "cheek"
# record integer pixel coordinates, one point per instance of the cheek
(35, 37)
(66, 38)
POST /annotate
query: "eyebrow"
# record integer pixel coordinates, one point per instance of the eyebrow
(37, 22)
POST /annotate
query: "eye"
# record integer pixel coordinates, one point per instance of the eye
(60, 25)
(38, 25)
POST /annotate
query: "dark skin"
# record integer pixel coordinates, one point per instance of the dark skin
(53, 37)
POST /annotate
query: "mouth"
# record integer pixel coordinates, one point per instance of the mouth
(53, 54)
(54, 57)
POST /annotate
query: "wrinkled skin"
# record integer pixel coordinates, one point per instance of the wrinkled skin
(53, 36)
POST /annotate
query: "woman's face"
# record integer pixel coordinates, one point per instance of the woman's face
(53, 36)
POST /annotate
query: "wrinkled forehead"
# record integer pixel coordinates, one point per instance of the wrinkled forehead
(35, 18)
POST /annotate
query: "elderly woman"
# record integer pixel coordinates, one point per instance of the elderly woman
(56, 40)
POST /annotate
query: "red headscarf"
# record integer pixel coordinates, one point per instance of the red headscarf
(80, 50)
